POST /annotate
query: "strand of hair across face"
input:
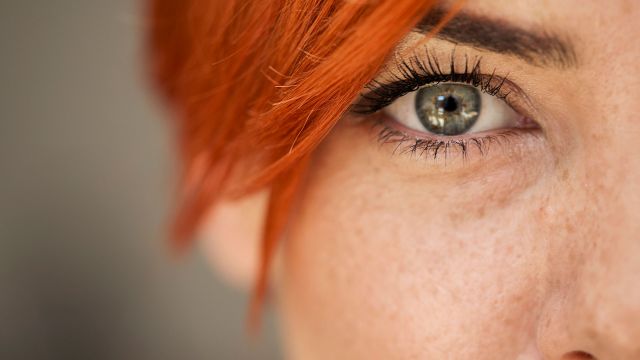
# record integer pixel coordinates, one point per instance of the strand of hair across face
(255, 86)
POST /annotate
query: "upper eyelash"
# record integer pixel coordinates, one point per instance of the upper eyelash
(419, 71)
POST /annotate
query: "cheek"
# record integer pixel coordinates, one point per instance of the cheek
(384, 264)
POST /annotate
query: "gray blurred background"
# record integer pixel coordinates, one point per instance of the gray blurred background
(86, 176)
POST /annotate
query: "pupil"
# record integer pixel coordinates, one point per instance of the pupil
(450, 104)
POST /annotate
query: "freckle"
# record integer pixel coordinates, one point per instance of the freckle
(454, 216)
(481, 212)
(359, 233)
(569, 227)
(541, 214)
(509, 250)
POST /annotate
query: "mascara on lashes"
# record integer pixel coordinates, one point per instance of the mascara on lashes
(416, 72)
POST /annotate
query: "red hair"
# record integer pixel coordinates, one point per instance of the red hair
(256, 86)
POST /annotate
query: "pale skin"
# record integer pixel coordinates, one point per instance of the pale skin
(531, 251)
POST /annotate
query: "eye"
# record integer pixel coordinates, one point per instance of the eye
(451, 109)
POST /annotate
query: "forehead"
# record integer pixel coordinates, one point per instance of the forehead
(559, 13)
(542, 8)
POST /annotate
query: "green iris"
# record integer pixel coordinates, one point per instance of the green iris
(448, 109)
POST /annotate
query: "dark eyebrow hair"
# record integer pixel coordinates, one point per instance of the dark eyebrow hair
(496, 35)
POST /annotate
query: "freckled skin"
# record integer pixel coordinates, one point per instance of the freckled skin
(528, 253)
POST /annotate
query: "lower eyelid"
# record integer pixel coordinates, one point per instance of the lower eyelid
(466, 147)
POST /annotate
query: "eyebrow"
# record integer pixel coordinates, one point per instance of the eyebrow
(537, 47)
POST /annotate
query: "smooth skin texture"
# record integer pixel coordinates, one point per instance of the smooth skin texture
(531, 251)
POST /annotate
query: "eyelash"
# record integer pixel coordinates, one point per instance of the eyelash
(437, 147)
(417, 72)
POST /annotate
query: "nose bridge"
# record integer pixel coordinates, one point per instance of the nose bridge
(601, 311)
(608, 296)
(612, 183)
(596, 306)
(610, 279)
(593, 300)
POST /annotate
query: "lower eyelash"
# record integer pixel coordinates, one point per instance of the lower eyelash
(439, 148)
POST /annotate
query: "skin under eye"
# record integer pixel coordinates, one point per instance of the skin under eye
(452, 109)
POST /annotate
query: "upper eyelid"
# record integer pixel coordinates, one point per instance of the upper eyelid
(459, 66)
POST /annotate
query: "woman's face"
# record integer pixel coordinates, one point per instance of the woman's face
(524, 246)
